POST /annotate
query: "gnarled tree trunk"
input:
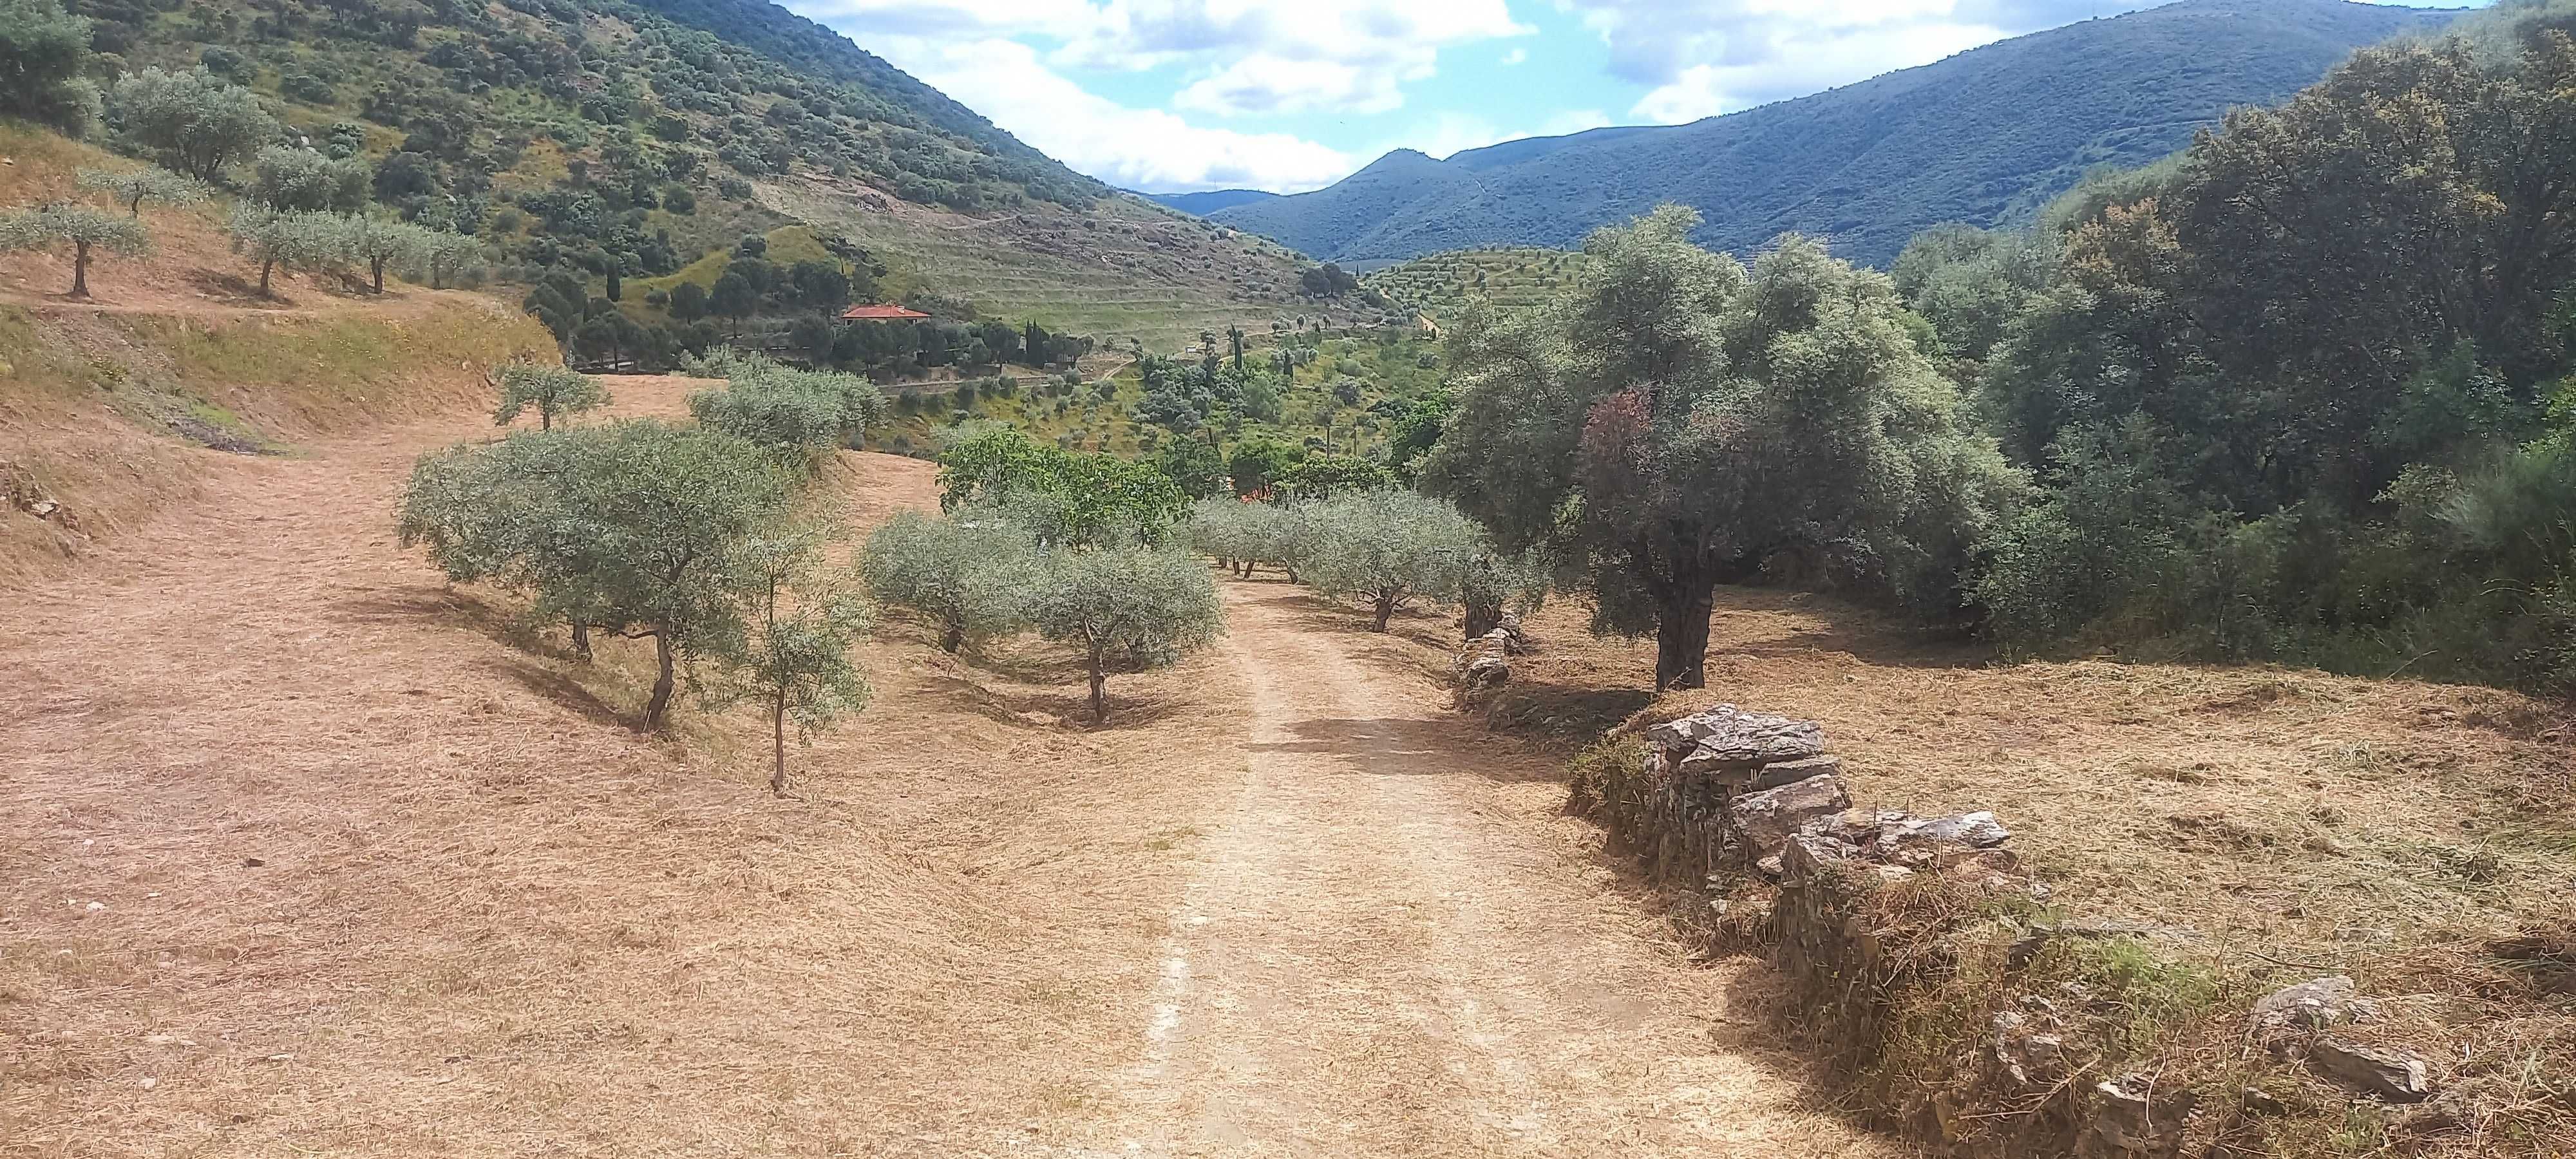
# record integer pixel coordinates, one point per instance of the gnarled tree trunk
(660, 704)
(1099, 688)
(1681, 635)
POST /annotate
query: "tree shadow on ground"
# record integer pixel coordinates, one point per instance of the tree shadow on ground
(1053, 711)
(1560, 711)
(450, 607)
(563, 690)
(1413, 748)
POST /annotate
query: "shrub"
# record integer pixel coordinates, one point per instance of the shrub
(804, 412)
(43, 54)
(131, 186)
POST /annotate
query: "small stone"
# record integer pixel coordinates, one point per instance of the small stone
(1766, 820)
(1769, 867)
(1488, 672)
(160, 1039)
(2137, 1120)
(254, 862)
(1979, 830)
(279, 1058)
(2393, 1074)
(2311, 1005)
(2257, 1101)
(95, 906)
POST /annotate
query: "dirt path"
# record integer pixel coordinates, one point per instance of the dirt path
(302, 851)
(1382, 953)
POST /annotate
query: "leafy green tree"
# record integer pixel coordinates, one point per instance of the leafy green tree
(291, 178)
(44, 53)
(196, 123)
(294, 241)
(1327, 475)
(555, 391)
(1680, 423)
(1389, 548)
(1194, 465)
(1141, 605)
(1075, 498)
(628, 527)
(131, 187)
(734, 297)
(1259, 460)
(967, 572)
(795, 659)
(78, 226)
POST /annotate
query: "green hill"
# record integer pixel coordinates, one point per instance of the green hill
(1986, 136)
(643, 135)
(1437, 284)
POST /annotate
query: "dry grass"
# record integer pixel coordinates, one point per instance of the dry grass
(2281, 824)
(329, 809)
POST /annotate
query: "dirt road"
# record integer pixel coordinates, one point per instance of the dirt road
(302, 851)
(1383, 953)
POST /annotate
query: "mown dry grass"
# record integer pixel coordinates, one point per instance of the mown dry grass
(306, 852)
(2274, 825)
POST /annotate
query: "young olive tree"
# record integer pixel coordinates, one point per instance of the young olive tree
(377, 242)
(1144, 605)
(795, 658)
(1221, 526)
(292, 178)
(441, 257)
(555, 391)
(196, 123)
(966, 572)
(1390, 548)
(79, 226)
(628, 527)
(799, 412)
(294, 241)
(131, 187)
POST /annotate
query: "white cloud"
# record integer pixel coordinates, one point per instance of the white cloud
(1263, 83)
(1147, 149)
(1704, 57)
(1515, 56)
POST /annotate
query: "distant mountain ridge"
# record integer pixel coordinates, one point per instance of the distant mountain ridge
(1209, 201)
(1985, 136)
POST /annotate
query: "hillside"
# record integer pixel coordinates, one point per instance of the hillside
(1437, 284)
(636, 136)
(1985, 137)
(1211, 200)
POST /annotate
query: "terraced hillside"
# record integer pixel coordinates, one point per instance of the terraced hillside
(1508, 277)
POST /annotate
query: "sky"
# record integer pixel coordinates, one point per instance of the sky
(1166, 96)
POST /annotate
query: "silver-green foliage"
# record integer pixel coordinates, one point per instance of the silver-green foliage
(440, 257)
(968, 573)
(795, 658)
(379, 242)
(628, 527)
(1494, 582)
(1141, 605)
(552, 391)
(292, 177)
(1390, 549)
(782, 407)
(295, 241)
(132, 187)
(81, 227)
(196, 123)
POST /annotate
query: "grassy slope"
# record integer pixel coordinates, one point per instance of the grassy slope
(2275, 825)
(1508, 277)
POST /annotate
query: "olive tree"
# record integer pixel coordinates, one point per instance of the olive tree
(377, 242)
(1389, 549)
(554, 391)
(1494, 583)
(196, 123)
(795, 658)
(1680, 422)
(292, 178)
(1142, 605)
(629, 527)
(294, 241)
(1221, 526)
(131, 187)
(79, 226)
(796, 411)
(440, 257)
(966, 572)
